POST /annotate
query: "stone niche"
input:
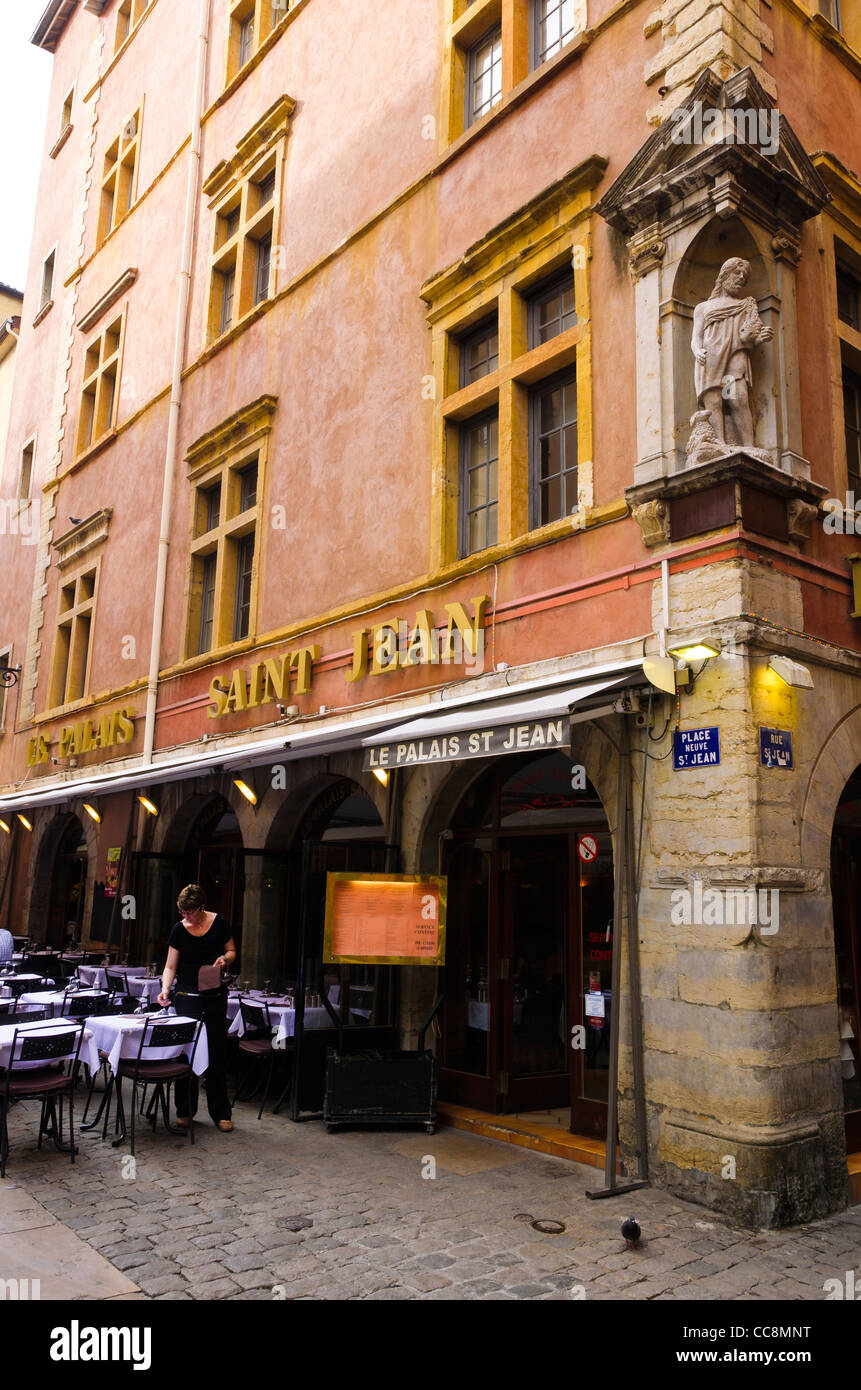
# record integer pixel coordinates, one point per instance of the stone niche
(723, 177)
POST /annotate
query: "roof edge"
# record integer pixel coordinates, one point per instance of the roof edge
(55, 18)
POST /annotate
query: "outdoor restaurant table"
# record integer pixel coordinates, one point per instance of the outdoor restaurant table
(95, 974)
(89, 1050)
(280, 1013)
(40, 979)
(55, 1001)
(119, 1036)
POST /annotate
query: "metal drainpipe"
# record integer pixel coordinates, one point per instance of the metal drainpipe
(176, 385)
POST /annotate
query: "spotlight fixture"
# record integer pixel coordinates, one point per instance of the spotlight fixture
(92, 812)
(148, 805)
(664, 674)
(28, 825)
(245, 790)
(695, 651)
(4, 826)
(791, 672)
(382, 775)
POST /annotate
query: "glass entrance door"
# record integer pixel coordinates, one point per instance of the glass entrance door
(845, 884)
(533, 987)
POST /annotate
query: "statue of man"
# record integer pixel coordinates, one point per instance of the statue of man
(727, 326)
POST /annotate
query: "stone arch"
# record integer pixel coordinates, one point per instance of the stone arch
(442, 789)
(51, 829)
(837, 759)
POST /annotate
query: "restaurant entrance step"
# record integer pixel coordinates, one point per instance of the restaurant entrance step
(546, 1131)
(543, 1131)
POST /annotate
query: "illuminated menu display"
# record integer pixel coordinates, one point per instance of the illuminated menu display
(385, 919)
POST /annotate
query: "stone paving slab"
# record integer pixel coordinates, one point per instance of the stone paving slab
(34, 1245)
(278, 1210)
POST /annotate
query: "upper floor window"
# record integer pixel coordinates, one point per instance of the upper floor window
(553, 450)
(251, 23)
(511, 351)
(493, 45)
(551, 309)
(479, 352)
(119, 177)
(852, 422)
(66, 113)
(46, 293)
(25, 474)
(72, 641)
(222, 557)
(848, 297)
(484, 76)
(831, 10)
(242, 251)
(479, 483)
(100, 390)
(129, 16)
(554, 23)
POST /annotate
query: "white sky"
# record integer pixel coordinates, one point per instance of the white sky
(24, 88)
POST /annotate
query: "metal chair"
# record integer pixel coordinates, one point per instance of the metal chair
(47, 1084)
(116, 981)
(83, 1005)
(256, 1043)
(160, 1074)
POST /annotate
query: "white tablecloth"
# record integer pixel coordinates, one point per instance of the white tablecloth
(30, 979)
(283, 1019)
(89, 1050)
(55, 1001)
(95, 974)
(119, 1036)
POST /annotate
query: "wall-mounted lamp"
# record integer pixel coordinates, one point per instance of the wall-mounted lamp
(245, 790)
(28, 825)
(381, 775)
(4, 826)
(791, 672)
(92, 813)
(149, 806)
(695, 651)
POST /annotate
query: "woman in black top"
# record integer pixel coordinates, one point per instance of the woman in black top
(201, 939)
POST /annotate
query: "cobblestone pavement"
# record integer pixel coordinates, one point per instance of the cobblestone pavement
(283, 1210)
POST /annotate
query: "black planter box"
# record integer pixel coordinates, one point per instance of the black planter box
(385, 1088)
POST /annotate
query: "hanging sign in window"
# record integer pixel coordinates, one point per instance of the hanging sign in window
(385, 919)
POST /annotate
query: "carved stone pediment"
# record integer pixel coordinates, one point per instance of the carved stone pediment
(672, 181)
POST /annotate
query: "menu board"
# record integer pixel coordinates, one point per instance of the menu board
(385, 919)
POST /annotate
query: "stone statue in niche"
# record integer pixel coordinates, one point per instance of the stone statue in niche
(727, 327)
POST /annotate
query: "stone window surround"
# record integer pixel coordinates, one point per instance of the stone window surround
(95, 379)
(85, 608)
(497, 275)
(218, 457)
(259, 152)
(128, 147)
